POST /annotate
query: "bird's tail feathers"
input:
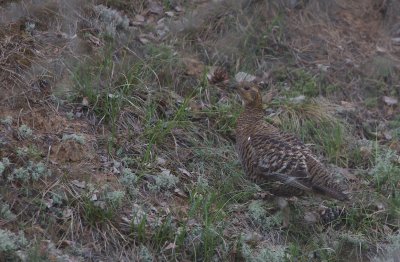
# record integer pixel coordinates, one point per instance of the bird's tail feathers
(330, 192)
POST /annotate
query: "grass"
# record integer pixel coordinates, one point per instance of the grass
(157, 129)
(96, 215)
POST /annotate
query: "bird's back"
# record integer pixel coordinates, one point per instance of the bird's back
(279, 161)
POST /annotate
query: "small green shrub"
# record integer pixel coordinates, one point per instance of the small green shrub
(165, 181)
(8, 120)
(74, 137)
(5, 212)
(385, 172)
(10, 241)
(260, 216)
(115, 198)
(269, 253)
(33, 172)
(24, 132)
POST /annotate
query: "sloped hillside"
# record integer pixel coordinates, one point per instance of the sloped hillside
(117, 128)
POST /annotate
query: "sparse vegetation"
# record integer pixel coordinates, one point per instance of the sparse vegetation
(11, 242)
(77, 138)
(25, 132)
(116, 145)
(8, 120)
(32, 172)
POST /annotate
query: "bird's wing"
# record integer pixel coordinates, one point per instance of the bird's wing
(280, 161)
(321, 179)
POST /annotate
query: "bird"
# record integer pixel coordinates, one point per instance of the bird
(276, 160)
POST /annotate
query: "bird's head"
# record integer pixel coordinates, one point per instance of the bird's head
(250, 94)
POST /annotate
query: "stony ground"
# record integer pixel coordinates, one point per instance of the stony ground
(117, 128)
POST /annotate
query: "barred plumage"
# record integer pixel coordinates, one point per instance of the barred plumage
(278, 161)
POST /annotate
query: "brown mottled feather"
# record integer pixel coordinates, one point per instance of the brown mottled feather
(278, 161)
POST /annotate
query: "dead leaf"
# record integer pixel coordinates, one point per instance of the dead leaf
(323, 67)
(78, 183)
(155, 8)
(387, 135)
(93, 197)
(139, 18)
(193, 67)
(144, 40)
(243, 76)
(67, 213)
(178, 8)
(381, 49)
(366, 152)
(165, 172)
(161, 161)
(348, 105)
(170, 246)
(298, 99)
(185, 172)
(85, 102)
(388, 231)
(395, 145)
(253, 237)
(396, 40)
(96, 41)
(310, 217)
(48, 202)
(179, 192)
(390, 101)
(65, 243)
(380, 206)
(126, 220)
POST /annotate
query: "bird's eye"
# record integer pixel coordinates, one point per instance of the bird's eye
(247, 88)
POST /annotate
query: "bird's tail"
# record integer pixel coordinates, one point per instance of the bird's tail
(323, 181)
(330, 192)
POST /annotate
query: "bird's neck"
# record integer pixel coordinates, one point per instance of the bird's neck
(254, 109)
(253, 113)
